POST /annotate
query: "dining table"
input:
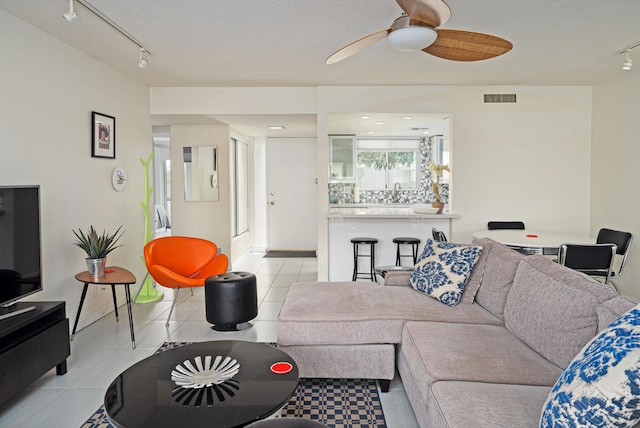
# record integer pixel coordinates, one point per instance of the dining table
(528, 241)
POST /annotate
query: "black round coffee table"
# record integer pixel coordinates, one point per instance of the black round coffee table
(145, 396)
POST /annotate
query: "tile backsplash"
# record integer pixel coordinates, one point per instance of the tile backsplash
(342, 193)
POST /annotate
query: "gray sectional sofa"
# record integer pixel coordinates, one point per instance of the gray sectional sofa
(489, 361)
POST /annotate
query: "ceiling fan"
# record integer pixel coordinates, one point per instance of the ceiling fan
(417, 29)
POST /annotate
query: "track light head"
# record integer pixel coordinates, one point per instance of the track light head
(71, 15)
(144, 58)
(628, 63)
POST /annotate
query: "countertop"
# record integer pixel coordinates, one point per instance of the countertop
(390, 211)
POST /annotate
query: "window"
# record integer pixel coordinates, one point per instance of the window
(383, 163)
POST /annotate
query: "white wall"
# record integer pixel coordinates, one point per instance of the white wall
(615, 172)
(527, 161)
(261, 100)
(199, 101)
(203, 219)
(48, 91)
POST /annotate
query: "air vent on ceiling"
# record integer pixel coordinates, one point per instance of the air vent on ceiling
(499, 98)
(418, 129)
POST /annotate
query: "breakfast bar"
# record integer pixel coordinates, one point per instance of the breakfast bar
(383, 222)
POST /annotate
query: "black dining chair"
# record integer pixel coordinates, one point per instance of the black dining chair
(623, 242)
(438, 235)
(595, 260)
(495, 225)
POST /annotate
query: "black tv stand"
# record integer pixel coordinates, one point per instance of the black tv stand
(33, 340)
(12, 311)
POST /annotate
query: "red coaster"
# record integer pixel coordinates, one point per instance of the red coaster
(532, 236)
(281, 367)
(109, 271)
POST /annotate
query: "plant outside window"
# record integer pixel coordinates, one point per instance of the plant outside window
(382, 169)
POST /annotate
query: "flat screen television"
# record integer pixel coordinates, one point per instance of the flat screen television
(20, 255)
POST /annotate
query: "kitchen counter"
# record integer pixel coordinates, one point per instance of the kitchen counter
(381, 211)
(383, 222)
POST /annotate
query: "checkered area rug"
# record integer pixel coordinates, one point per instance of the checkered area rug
(337, 403)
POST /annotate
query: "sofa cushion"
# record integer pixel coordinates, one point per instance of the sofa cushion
(335, 313)
(477, 404)
(437, 351)
(442, 270)
(371, 361)
(612, 309)
(499, 270)
(398, 278)
(601, 386)
(475, 279)
(552, 308)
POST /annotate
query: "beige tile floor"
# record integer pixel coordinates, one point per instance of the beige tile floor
(100, 351)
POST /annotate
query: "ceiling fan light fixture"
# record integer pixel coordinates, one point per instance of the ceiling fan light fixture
(412, 38)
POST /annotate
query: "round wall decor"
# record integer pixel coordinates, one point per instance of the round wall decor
(119, 179)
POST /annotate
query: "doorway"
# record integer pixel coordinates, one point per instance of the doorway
(292, 194)
(162, 181)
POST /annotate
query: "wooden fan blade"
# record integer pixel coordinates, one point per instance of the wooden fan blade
(431, 12)
(357, 46)
(460, 45)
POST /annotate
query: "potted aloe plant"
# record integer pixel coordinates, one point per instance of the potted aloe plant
(97, 247)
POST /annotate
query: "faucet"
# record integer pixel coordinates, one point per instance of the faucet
(394, 194)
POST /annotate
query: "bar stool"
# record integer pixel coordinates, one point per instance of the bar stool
(356, 254)
(414, 242)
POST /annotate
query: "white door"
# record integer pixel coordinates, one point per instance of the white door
(292, 194)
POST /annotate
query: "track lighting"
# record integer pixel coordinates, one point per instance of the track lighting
(71, 15)
(144, 58)
(628, 63)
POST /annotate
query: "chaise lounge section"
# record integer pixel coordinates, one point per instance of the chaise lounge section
(489, 361)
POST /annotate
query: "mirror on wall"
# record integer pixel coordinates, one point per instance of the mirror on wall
(200, 173)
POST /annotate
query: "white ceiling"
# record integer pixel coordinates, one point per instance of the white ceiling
(285, 42)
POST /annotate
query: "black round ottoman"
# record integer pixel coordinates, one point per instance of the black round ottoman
(230, 298)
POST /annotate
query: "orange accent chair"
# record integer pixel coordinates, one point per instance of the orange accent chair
(183, 262)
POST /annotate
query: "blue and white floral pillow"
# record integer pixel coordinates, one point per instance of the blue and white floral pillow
(601, 386)
(442, 270)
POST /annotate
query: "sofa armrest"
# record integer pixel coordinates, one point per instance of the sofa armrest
(397, 278)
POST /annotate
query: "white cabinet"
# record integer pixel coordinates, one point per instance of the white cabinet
(342, 158)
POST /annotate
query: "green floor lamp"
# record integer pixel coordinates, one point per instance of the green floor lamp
(148, 292)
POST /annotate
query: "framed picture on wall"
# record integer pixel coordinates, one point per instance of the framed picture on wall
(103, 136)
